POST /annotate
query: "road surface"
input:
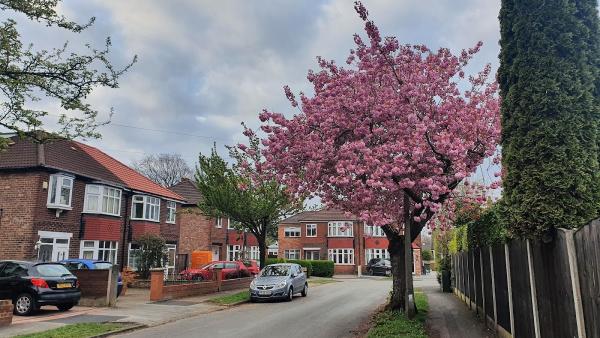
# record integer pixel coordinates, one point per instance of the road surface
(330, 311)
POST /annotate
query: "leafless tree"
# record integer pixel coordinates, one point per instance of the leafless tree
(164, 169)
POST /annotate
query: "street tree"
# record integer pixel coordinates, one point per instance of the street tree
(27, 75)
(246, 192)
(164, 169)
(550, 88)
(386, 138)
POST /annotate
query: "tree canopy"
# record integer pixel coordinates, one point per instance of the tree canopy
(164, 169)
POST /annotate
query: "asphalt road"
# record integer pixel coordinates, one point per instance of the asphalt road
(330, 311)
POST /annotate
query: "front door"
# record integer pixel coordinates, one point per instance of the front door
(216, 250)
(53, 246)
(60, 250)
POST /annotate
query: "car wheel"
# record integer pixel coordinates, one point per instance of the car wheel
(305, 290)
(290, 294)
(24, 304)
(65, 307)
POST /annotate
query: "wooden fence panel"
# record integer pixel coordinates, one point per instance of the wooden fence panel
(521, 289)
(487, 286)
(501, 284)
(553, 287)
(471, 276)
(478, 282)
(463, 273)
(587, 246)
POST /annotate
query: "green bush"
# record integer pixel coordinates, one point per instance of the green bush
(152, 254)
(305, 264)
(274, 261)
(322, 268)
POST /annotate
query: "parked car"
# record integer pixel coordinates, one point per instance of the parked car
(31, 285)
(279, 281)
(379, 266)
(252, 266)
(90, 264)
(229, 270)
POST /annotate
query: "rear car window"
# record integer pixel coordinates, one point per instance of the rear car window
(52, 270)
(102, 265)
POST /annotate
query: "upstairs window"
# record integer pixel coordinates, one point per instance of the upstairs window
(219, 222)
(340, 229)
(311, 230)
(102, 200)
(291, 232)
(171, 209)
(375, 231)
(145, 208)
(60, 190)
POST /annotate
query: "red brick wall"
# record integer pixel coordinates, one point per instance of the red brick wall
(18, 196)
(105, 228)
(194, 230)
(140, 228)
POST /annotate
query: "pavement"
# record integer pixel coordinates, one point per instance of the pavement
(449, 317)
(330, 311)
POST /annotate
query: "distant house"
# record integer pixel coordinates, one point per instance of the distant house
(273, 250)
(218, 235)
(65, 199)
(330, 234)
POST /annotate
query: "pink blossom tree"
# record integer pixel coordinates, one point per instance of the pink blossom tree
(387, 137)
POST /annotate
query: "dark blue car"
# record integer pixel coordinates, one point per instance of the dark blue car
(91, 264)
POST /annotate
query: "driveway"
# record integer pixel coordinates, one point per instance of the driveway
(330, 311)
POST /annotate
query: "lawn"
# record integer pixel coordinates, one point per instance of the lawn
(312, 281)
(232, 299)
(395, 324)
(81, 330)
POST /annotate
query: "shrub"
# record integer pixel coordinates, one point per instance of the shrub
(274, 261)
(151, 254)
(322, 268)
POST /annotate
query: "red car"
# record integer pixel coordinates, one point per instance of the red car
(252, 266)
(229, 270)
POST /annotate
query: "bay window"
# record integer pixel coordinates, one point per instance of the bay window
(341, 256)
(145, 208)
(171, 209)
(292, 254)
(60, 191)
(375, 231)
(99, 250)
(102, 200)
(376, 253)
(254, 253)
(340, 229)
(291, 232)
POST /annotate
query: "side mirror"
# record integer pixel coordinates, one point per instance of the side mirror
(293, 275)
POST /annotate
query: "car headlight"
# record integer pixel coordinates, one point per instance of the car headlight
(281, 284)
(253, 284)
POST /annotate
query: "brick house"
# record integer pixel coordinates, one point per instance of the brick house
(330, 234)
(65, 199)
(218, 235)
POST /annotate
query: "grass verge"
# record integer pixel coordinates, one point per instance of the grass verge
(395, 324)
(234, 298)
(81, 330)
(320, 280)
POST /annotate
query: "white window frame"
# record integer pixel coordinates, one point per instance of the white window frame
(171, 212)
(312, 226)
(147, 201)
(292, 254)
(288, 231)
(342, 256)
(376, 253)
(219, 222)
(374, 231)
(98, 252)
(233, 250)
(336, 229)
(131, 260)
(254, 252)
(104, 192)
(57, 186)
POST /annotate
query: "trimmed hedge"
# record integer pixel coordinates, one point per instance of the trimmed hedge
(303, 263)
(322, 268)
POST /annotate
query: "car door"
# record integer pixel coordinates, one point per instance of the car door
(9, 279)
(298, 284)
(4, 292)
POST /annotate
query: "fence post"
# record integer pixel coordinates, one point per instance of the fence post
(493, 287)
(218, 276)
(482, 285)
(157, 280)
(474, 283)
(536, 319)
(509, 284)
(574, 270)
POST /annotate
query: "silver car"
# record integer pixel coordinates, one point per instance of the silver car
(279, 281)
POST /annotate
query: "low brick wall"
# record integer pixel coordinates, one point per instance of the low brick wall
(188, 290)
(344, 270)
(6, 312)
(94, 285)
(232, 284)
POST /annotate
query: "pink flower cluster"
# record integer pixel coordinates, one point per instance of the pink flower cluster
(394, 122)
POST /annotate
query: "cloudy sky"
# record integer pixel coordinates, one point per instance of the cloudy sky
(206, 66)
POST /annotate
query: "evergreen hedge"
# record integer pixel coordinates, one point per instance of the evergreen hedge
(549, 86)
(322, 268)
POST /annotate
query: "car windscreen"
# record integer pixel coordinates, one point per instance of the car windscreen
(275, 270)
(102, 265)
(52, 270)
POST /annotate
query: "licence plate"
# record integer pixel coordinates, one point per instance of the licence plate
(264, 293)
(63, 285)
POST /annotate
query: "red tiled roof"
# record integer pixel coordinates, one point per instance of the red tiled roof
(80, 159)
(188, 190)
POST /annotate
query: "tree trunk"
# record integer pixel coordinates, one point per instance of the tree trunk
(397, 254)
(262, 251)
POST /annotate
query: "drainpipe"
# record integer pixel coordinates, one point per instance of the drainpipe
(125, 230)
